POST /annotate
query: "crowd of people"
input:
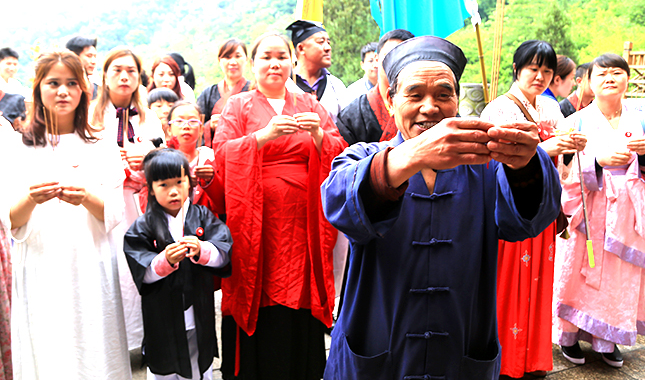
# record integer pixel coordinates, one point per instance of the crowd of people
(432, 246)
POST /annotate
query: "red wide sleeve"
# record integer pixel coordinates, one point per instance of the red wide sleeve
(238, 170)
(239, 174)
(322, 236)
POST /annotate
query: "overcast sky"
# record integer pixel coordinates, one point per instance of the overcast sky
(17, 13)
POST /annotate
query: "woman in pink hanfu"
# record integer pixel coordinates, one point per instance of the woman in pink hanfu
(5, 304)
(604, 304)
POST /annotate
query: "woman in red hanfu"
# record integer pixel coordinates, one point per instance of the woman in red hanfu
(273, 149)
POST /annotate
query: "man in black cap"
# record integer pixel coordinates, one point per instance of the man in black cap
(313, 51)
(423, 213)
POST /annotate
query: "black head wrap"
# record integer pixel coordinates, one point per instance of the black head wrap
(303, 29)
(424, 48)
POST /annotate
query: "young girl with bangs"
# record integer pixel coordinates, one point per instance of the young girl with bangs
(174, 250)
(161, 100)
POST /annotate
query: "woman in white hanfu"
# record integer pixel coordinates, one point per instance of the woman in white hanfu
(64, 197)
(128, 124)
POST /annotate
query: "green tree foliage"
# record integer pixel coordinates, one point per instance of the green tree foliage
(486, 8)
(636, 12)
(597, 27)
(350, 26)
(197, 28)
(555, 29)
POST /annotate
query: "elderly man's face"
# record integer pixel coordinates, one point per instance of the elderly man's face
(426, 94)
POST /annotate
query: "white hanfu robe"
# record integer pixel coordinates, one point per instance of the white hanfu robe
(143, 134)
(67, 320)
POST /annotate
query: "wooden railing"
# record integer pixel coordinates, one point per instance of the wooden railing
(636, 62)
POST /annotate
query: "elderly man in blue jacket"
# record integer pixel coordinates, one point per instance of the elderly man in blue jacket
(423, 213)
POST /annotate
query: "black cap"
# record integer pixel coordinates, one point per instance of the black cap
(424, 48)
(303, 29)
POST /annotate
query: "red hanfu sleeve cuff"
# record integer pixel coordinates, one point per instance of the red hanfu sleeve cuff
(379, 183)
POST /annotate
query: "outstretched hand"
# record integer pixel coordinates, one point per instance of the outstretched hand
(452, 142)
(458, 141)
(462, 141)
(513, 144)
(449, 143)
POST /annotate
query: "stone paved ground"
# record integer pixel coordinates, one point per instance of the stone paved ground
(595, 369)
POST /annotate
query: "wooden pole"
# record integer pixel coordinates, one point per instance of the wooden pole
(627, 49)
(497, 48)
(183, 221)
(126, 120)
(590, 255)
(482, 63)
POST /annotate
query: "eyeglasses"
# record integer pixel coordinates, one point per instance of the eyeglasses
(193, 123)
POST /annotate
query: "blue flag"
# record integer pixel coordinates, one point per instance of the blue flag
(438, 18)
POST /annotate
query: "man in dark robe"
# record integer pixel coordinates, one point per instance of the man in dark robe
(423, 213)
(313, 51)
(366, 118)
(369, 64)
(581, 97)
(12, 107)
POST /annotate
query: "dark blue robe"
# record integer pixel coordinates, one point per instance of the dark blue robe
(420, 294)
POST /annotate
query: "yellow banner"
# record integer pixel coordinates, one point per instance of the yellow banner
(311, 10)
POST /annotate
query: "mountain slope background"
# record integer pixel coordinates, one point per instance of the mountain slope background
(580, 29)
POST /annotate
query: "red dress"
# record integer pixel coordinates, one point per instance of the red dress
(524, 296)
(282, 250)
(525, 269)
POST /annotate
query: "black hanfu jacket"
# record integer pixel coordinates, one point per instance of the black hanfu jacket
(165, 343)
